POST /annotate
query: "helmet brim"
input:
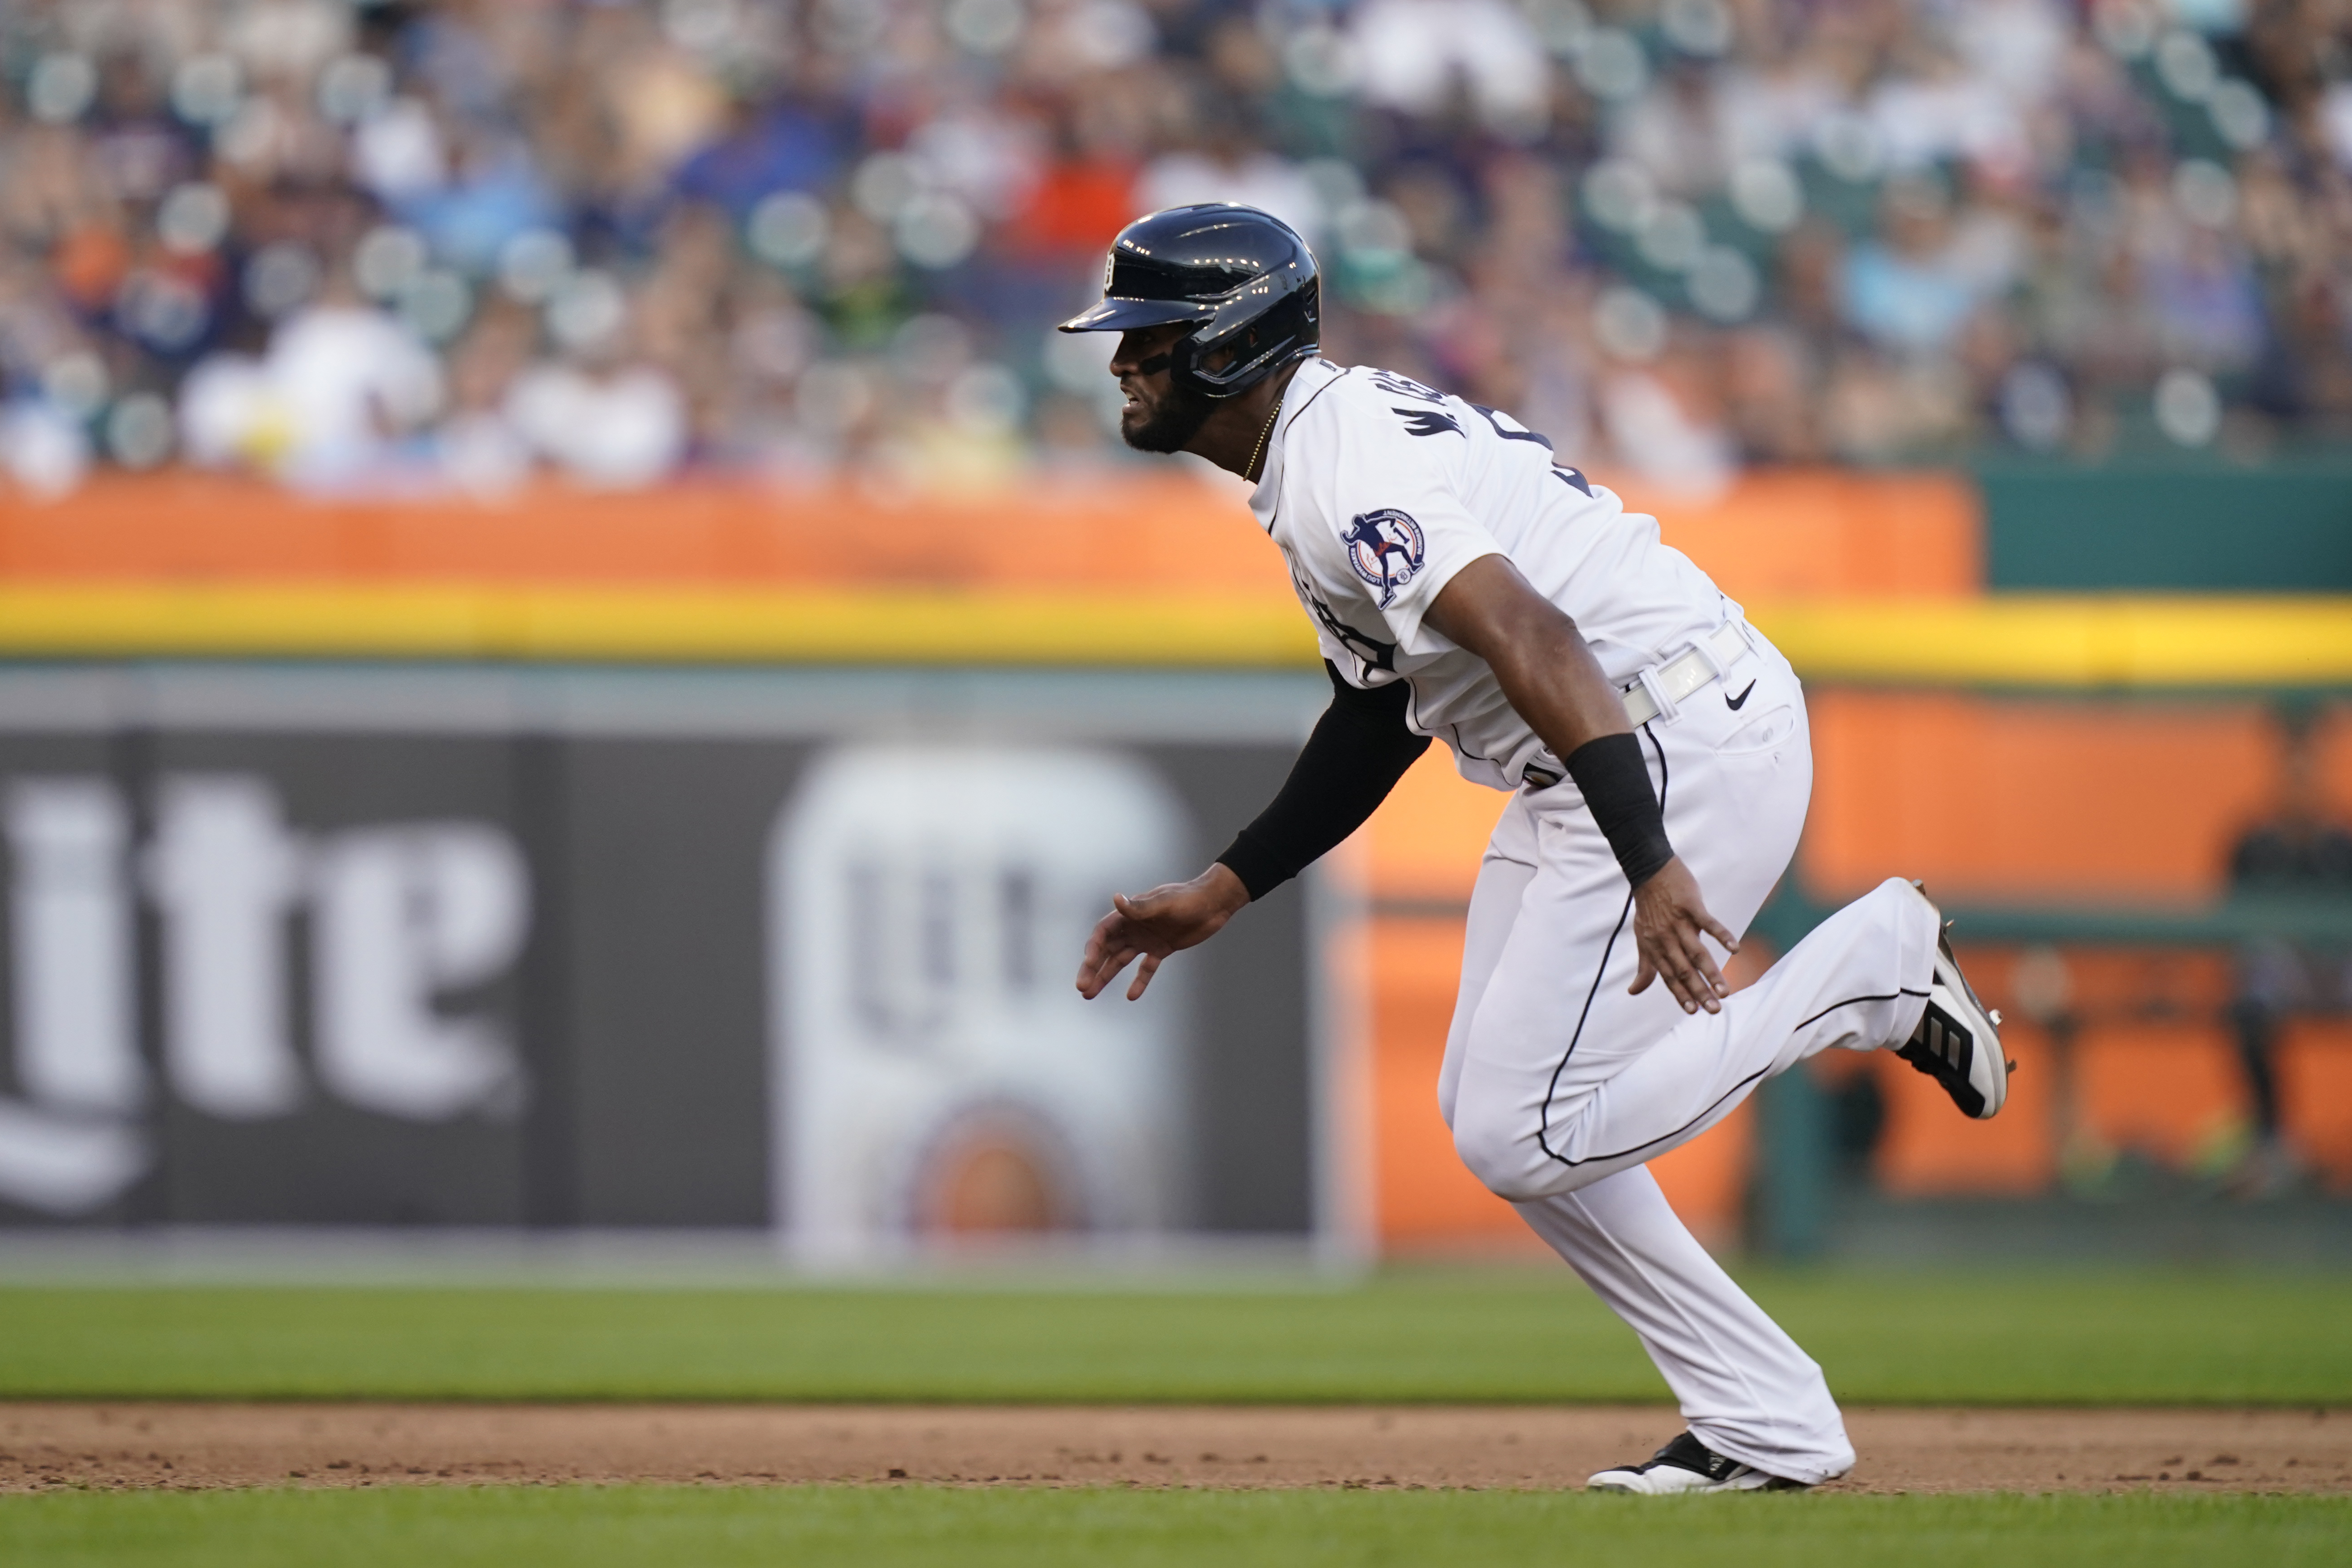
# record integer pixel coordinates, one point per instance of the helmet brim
(1127, 315)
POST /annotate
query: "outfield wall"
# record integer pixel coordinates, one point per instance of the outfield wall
(2015, 747)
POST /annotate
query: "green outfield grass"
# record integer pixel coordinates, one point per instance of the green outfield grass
(583, 1528)
(1496, 1335)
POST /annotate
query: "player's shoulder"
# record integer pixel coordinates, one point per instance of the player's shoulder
(1317, 391)
(1352, 400)
(1361, 386)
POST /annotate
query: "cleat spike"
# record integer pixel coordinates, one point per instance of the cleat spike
(2009, 1067)
(1995, 1016)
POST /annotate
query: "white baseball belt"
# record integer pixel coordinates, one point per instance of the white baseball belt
(1658, 691)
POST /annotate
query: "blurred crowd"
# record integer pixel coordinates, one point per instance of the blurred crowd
(449, 245)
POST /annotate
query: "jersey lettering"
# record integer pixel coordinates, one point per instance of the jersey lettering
(1429, 422)
(1370, 652)
(1390, 382)
(1573, 477)
(1513, 431)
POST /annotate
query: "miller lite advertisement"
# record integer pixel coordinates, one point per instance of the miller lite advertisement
(713, 950)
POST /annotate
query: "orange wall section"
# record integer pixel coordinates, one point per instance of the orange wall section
(2153, 1070)
(1806, 533)
(1425, 1200)
(2315, 1094)
(2015, 799)
(1811, 533)
(1987, 799)
(1426, 839)
(1167, 531)
(2170, 1090)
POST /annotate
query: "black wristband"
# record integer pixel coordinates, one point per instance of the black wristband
(1616, 786)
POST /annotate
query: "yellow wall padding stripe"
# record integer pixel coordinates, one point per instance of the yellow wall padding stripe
(2070, 642)
(2020, 640)
(711, 624)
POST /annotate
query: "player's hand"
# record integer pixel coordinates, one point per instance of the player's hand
(1150, 926)
(1668, 921)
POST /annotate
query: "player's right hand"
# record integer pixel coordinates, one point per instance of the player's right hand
(1669, 919)
(1149, 926)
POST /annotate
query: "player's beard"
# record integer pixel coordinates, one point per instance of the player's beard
(1177, 419)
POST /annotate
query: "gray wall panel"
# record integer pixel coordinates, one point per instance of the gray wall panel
(1250, 1068)
(667, 850)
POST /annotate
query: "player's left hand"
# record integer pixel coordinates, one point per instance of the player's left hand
(1669, 919)
(1150, 926)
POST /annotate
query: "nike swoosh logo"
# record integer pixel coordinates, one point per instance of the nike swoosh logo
(1734, 702)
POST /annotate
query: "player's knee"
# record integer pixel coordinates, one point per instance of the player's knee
(1501, 1150)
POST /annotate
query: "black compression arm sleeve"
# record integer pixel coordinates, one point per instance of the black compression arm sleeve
(1360, 748)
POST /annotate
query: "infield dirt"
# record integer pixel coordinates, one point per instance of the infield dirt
(183, 1445)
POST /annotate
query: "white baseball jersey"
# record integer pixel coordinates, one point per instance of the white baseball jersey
(1378, 490)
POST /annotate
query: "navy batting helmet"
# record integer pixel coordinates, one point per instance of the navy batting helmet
(1244, 280)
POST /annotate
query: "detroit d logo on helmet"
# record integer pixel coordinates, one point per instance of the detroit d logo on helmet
(1385, 548)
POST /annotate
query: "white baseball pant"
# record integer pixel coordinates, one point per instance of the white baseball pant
(1559, 1085)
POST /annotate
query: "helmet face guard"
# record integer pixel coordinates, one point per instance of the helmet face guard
(1245, 280)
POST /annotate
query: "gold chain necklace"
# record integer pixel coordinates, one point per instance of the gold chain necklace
(1251, 473)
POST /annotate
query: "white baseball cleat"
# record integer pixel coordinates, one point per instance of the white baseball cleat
(1687, 1465)
(1958, 1042)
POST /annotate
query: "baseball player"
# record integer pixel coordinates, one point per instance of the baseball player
(1468, 585)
